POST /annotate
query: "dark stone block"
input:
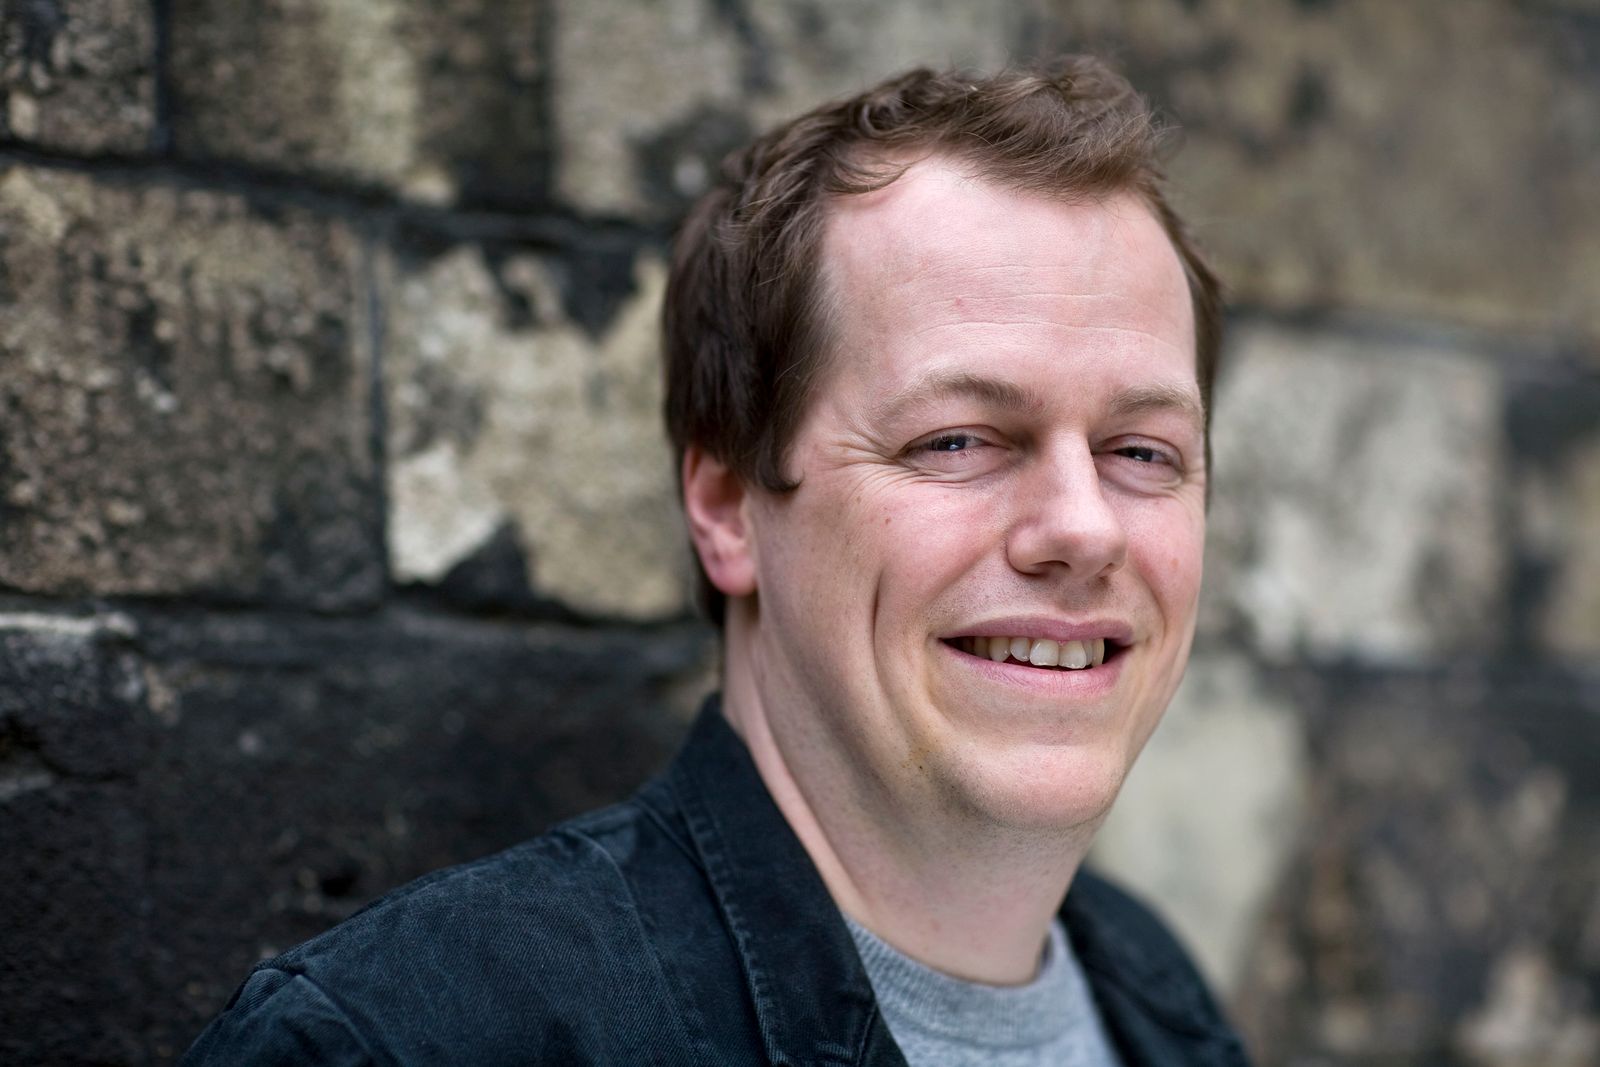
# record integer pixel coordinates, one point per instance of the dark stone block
(1455, 837)
(70, 708)
(309, 768)
(182, 794)
(74, 986)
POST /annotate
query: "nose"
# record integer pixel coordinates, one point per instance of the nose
(1064, 521)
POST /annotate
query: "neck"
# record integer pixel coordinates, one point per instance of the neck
(966, 898)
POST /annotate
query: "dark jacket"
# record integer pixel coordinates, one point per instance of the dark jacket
(684, 926)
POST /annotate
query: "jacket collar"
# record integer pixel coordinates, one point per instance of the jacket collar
(812, 998)
(813, 1001)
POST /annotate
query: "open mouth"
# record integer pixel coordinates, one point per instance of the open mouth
(1040, 652)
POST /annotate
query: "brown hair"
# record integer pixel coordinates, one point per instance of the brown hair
(744, 319)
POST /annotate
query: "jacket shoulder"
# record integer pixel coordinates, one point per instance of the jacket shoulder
(505, 957)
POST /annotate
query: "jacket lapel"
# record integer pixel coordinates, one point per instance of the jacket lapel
(813, 1001)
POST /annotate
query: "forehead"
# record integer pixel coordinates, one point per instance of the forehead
(942, 256)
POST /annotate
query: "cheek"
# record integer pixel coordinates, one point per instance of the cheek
(1170, 549)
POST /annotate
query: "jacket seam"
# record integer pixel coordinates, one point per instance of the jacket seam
(694, 1040)
(345, 1020)
(769, 1013)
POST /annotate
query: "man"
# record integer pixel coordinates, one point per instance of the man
(939, 362)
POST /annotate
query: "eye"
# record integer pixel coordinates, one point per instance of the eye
(1143, 464)
(950, 442)
(950, 454)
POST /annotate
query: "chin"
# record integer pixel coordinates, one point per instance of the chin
(1047, 789)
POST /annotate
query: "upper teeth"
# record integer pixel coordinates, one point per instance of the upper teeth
(1040, 651)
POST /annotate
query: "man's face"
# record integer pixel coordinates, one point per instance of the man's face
(1002, 468)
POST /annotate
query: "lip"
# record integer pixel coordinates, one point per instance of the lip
(1038, 682)
(1052, 628)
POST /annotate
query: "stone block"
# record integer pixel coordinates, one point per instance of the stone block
(653, 95)
(1377, 155)
(70, 702)
(1442, 903)
(1554, 427)
(186, 382)
(78, 75)
(74, 733)
(442, 101)
(302, 770)
(629, 74)
(1356, 483)
(1212, 811)
(72, 916)
(182, 793)
(525, 451)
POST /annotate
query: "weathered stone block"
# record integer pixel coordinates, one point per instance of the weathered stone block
(522, 445)
(653, 95)
(442, 101)
(630, 73)
(74, 732)
(186, 384)
(1213, 810)
(1378, 155)
(1355, 481)
(71, 700)
(1442, 902)
(78, 75)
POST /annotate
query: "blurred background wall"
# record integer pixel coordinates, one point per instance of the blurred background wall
(337, 537)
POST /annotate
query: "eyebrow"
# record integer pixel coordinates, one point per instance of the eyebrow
(1158, 397)
(1009, 396)
(938, 386)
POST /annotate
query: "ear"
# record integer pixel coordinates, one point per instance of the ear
(714, 500)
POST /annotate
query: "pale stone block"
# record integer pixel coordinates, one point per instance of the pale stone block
(629, 71)
(538, 425)
(672, 85)
(1355, 484)
(1211, 811)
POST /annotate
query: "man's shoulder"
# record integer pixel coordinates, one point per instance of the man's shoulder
(497, 956)
(582, 869)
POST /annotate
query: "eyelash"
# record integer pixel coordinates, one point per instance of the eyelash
(934, 444)
(1154, 454)
(963, 451)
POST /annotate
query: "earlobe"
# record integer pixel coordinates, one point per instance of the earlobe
(714, 501)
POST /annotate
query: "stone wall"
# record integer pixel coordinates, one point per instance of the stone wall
(337, 538)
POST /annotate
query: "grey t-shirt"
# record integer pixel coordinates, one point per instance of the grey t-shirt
(940, 1021)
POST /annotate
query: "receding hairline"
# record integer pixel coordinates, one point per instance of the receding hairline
(827, 301)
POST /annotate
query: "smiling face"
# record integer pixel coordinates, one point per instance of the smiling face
(1002, 470)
